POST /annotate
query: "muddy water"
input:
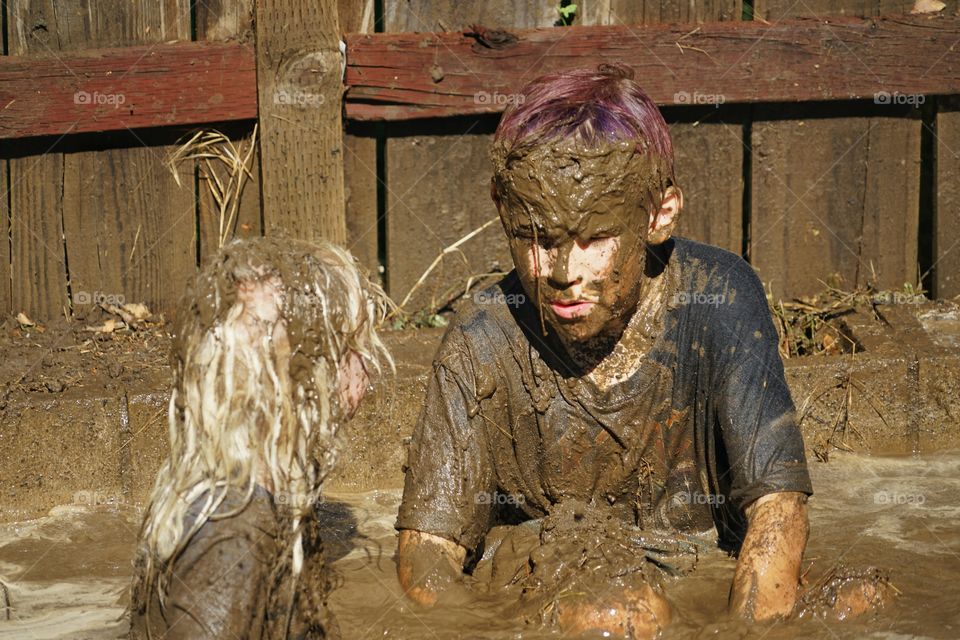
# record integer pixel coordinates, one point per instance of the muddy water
(67, 573)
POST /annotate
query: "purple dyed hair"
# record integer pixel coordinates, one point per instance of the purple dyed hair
(598, 104)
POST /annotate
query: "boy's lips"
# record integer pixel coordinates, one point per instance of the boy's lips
(571, 308)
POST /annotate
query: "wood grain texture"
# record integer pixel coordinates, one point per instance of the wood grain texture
(946, 255)
(408, 75)
(301, 146)
(39, 274)
(663, 11)
(836, 196)
(360, 163)
(785, 9)
(129, 229)
(709, 168)
(225, 20)
(228, 21)
(125, 226)
(126, 88)
(5, 257)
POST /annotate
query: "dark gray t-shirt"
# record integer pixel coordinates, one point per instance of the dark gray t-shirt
(705, 426)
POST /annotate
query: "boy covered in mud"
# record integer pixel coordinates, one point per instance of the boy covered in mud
(629, 411)
(270, 356)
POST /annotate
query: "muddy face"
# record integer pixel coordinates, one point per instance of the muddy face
(576, 216)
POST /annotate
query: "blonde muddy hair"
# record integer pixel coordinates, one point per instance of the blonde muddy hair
(255, 390)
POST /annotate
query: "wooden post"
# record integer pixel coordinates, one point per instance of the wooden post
(301, 133)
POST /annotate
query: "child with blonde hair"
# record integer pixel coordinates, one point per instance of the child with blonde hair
(271, 354)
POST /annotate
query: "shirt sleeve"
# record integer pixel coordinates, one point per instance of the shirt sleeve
(449, 478)
(218, 583)
(763, 443)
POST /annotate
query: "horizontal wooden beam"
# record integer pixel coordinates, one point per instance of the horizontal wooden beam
(891, 59)
(411, 75)
(127, 88)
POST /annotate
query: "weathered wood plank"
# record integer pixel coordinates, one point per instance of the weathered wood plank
(847, 205)
(395, 76)
(301, 142)
(5, 257)
(780, 10)
(360, 163)
(946, 255)
(709, 168)
(663, 11)
(120, 89)
(129, 230)
(226, 21)
(38, 269)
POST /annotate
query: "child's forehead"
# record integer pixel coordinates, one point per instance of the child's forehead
(585, 224)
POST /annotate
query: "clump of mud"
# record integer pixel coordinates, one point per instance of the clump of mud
(585, 569)
(846, 593)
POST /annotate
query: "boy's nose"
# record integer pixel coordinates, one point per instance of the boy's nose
(562, 275)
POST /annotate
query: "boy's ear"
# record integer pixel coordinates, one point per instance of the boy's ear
(493, 193)
(663, 222)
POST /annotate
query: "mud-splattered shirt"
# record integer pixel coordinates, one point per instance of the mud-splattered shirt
(705, 426)
(233, 580)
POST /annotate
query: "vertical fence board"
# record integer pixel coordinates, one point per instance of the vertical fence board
(946, 268)
(834, 196)
(784, 9)
(5, 257)
(39, 285)
(38, 267)
(129, 229)
(301, 143)
(360, 162)
(709, 168)
(226, 21)
(660, 11)
(124, 238)
(828, 211)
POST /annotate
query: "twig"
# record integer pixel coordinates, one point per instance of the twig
(453, 247)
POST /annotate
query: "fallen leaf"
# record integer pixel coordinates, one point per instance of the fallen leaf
(137, 309)
(927, 6)
(24, 320)
(108, 326)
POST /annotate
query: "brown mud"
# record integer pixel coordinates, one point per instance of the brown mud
(67, 573)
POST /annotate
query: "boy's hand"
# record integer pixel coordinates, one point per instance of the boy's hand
(430, 569)
(768, 572)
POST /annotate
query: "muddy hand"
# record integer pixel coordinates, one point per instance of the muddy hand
(430, 570)
(636, 613)
(846, 593)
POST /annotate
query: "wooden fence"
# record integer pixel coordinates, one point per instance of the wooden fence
(820, 139)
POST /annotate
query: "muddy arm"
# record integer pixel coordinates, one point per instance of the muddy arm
(430, 568)
(768, 571)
